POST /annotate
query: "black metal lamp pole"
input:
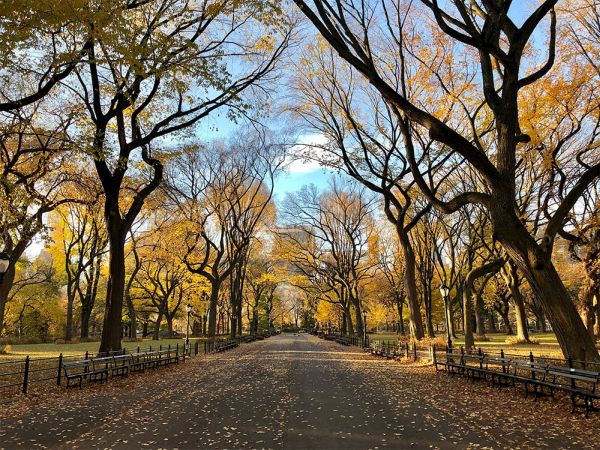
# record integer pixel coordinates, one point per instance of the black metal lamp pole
(188, 309)
(444, 290)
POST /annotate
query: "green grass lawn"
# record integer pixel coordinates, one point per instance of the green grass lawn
(548, 345)
(52, 350)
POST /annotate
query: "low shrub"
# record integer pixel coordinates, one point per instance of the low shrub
(481, 338)
(514, 340)
(438, 341)
(5, 349)
(60, 341)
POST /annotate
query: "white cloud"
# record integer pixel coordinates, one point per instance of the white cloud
(297, 161)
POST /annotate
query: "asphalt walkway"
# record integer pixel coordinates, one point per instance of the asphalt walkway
(289, 391)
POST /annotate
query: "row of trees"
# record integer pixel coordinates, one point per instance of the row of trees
(333, 254)
(117, 85)
(481, 160)
(449, 107)
(199, 240)
(347, 260)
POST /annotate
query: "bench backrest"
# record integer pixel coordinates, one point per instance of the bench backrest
(575, 374)
(103, 360)
(122, 359)
(71, 367)
(531, 366)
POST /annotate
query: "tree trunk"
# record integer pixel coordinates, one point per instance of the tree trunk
(468, 325)
(349, 322)
(597, 315)
(85, 323)
(169, 325)
(415, 321)
(131, 312)
(479, 314)
(5, 286)
(69, 325)
(400, 307)
(212, 314)
(358, 318)
(590, 293)
(156, 334)
(540, 318)
(513, 282)
(451, 316)
(588, 310)
(521, 319)
(503, 312)
(574, 339)
(492, 322)
(86, 311)
(507, 325)
(113, 314)
(88, 300)
(428, 311)
(132, 316)
(468, 293)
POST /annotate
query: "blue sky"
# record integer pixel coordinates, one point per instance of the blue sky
(294, 180)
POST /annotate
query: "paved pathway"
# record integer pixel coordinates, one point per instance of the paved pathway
(292, 392)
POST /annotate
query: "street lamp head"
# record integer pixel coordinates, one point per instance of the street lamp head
(364, 315)
(188, 308)
(4, 262)
(444, 290)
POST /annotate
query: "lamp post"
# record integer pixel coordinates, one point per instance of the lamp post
(444, 290)
(364, 328)
(188, 309)
(4, 263)
(206, 317)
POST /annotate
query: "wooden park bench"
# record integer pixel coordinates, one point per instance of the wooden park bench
(87, 368)
(475, 366)
(137, 362)
(454, 363)
(532, 374)
(117, 367)
(386, 350)
(223, 346)
(164, 357)
(538, 378)
(121, 365)
(392, 351)
(579, 383)
(499, 369)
